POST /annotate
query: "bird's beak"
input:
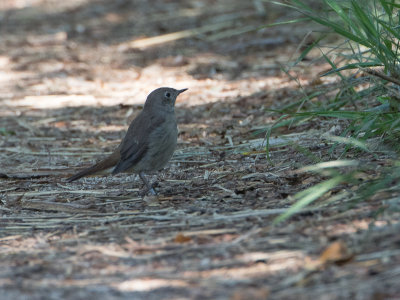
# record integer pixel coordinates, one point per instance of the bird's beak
(181, 91)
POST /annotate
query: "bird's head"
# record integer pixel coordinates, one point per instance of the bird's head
(162, 98)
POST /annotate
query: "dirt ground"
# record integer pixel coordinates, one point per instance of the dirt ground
(73, 74)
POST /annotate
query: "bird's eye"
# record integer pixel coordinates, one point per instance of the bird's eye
(167, 94)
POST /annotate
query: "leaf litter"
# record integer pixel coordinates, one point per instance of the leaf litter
(73, 85)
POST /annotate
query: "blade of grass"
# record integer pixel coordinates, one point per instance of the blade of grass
(277, 124)
(354, 66)
(311, 194)
(349, 141)
(330, 164)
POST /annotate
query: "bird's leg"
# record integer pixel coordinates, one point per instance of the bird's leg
(146, 182)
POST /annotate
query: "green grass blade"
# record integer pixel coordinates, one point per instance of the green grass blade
(354, 66)
(365, 21)
(350, 115)
(340, 30)
(277, 124)
(348, 141)
(330, 164)
(309, 195)
(343, 15)
(308, 49)
(387, 6)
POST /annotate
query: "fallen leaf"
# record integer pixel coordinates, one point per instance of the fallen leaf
(251, 293)
(336, 252)
(180, 238)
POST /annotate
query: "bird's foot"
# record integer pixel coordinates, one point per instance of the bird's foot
(152, 191)
(148, 185)
(147, 191)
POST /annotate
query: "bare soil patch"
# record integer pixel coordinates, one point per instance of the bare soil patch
(72, 77)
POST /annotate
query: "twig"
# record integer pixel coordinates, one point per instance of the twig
(381, 75)
(54, 206)
(87, 192)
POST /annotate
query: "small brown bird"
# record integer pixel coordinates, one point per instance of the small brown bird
(150, 141)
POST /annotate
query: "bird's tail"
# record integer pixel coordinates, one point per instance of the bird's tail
(103, 165)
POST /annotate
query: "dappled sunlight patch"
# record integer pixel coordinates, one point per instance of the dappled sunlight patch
(55, 101)
(250, 265)
(148, 284)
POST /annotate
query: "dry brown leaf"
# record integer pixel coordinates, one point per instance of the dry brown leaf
(180, 238)
(251, 293)
(60, 124)
(316, 81)
(336, 252)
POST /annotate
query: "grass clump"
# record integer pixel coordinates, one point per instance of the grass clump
(367, 65)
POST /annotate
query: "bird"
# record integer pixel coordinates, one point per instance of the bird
(149, 142)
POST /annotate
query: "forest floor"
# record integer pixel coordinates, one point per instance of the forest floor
(73, 75)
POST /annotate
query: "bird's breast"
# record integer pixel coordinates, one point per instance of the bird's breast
(162, 144)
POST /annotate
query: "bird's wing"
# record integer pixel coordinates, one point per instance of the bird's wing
(136, 141)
